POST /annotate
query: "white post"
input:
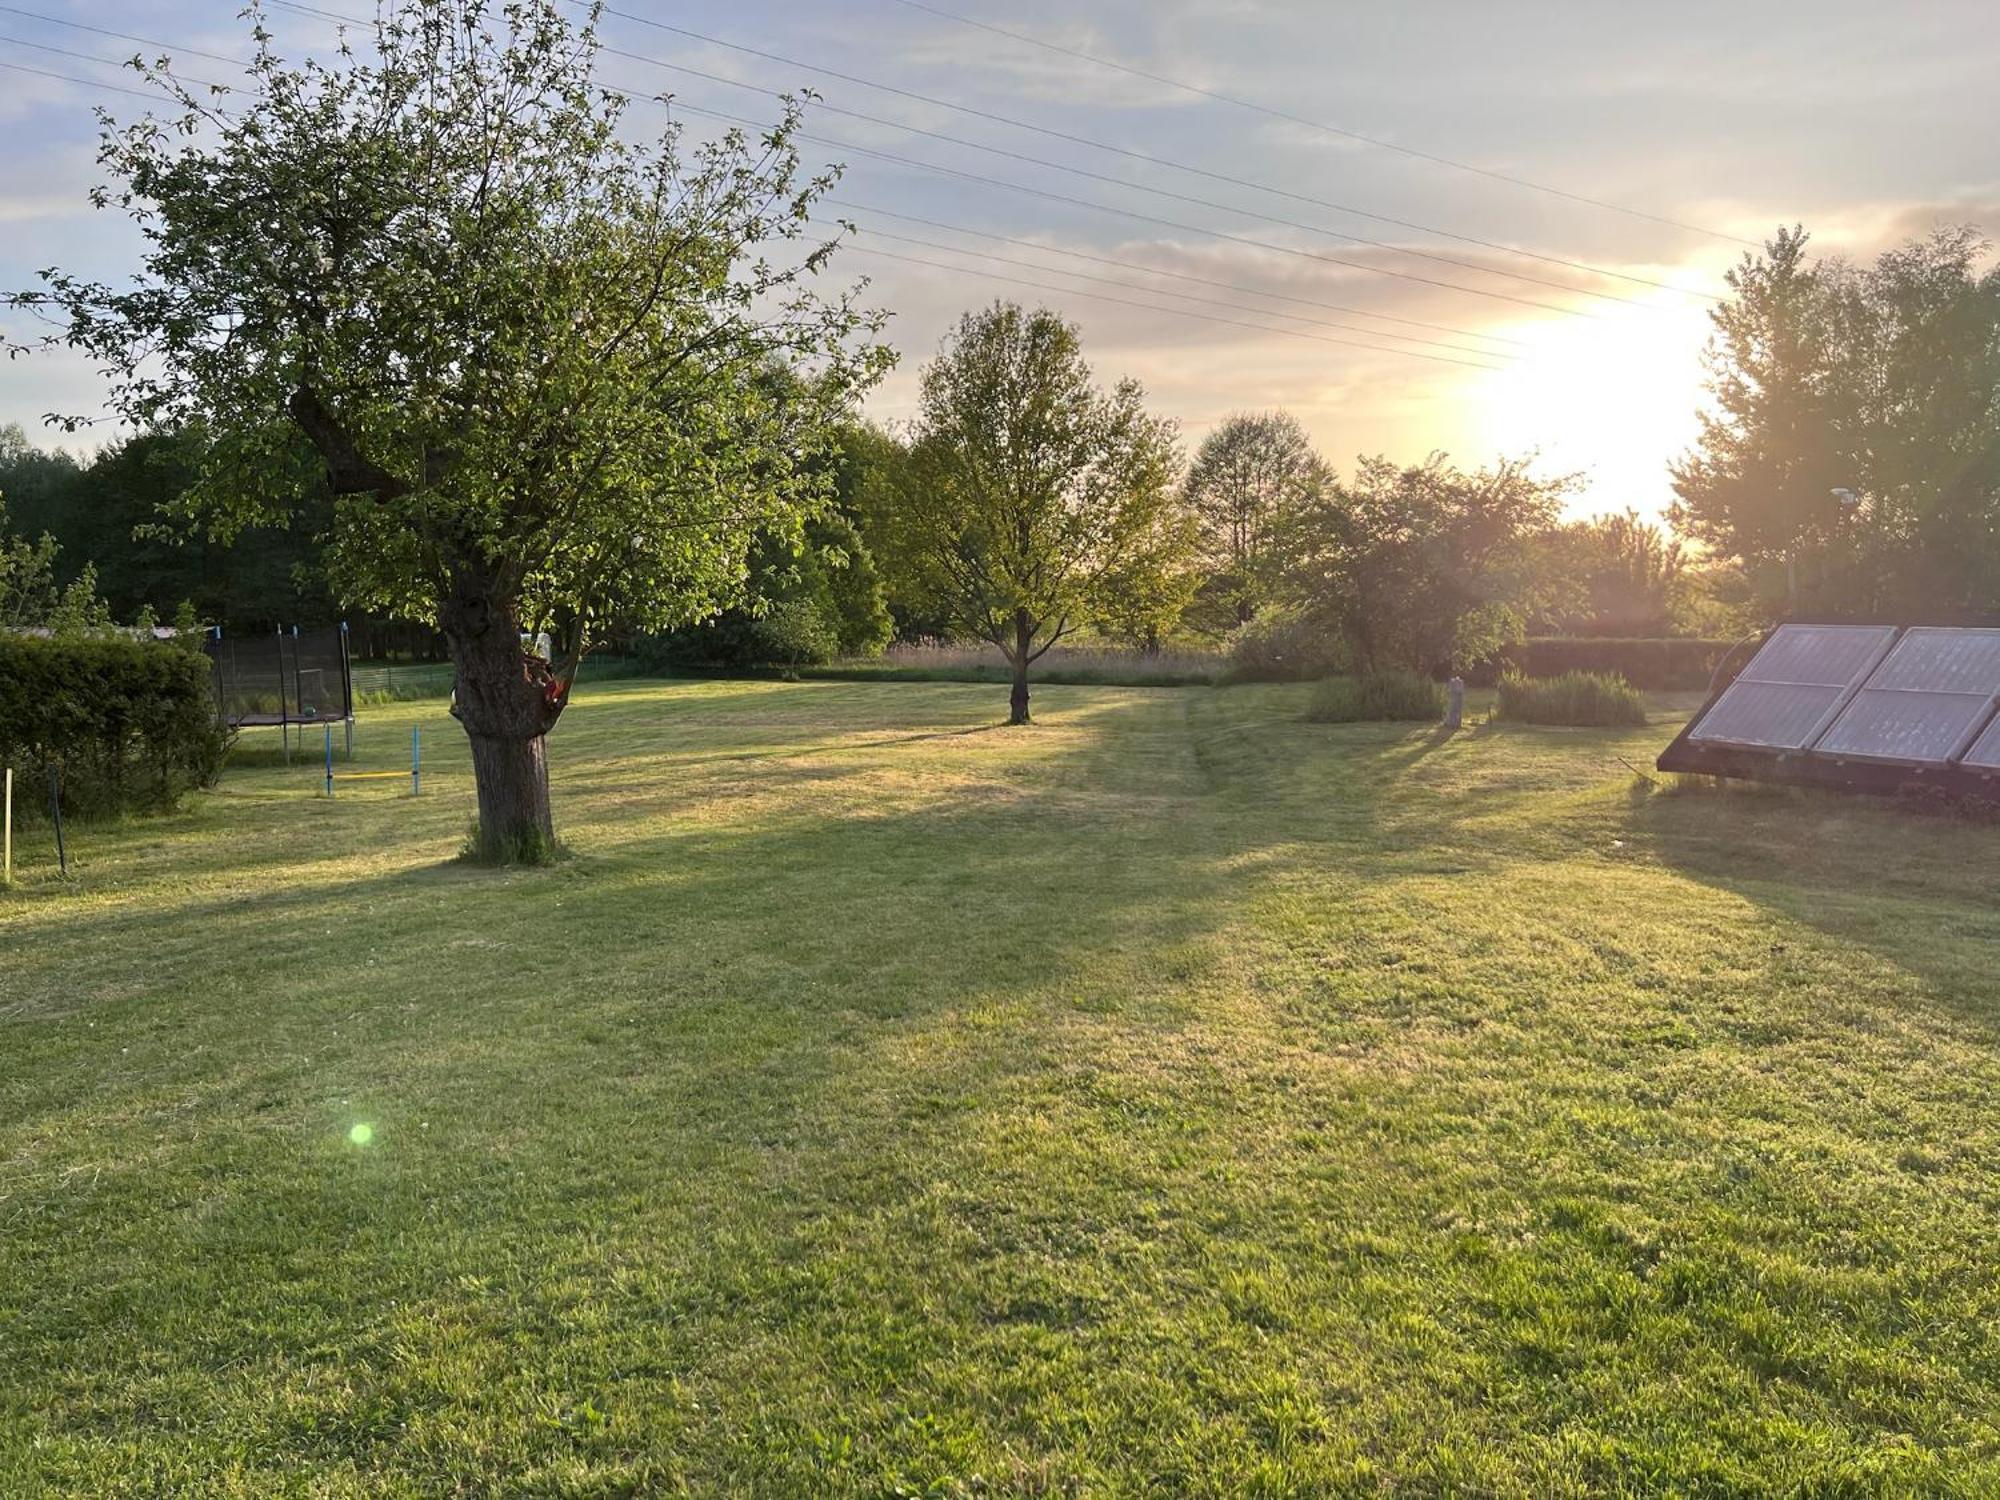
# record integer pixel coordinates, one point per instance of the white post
(7, 862)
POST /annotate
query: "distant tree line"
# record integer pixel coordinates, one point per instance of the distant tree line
(1850, 464)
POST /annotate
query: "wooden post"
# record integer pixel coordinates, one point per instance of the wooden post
(55, 812)
(1454, 713)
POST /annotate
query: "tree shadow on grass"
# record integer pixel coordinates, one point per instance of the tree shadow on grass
(1917, 890)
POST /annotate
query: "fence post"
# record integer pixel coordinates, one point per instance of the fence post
(329, 760)
(55, 811)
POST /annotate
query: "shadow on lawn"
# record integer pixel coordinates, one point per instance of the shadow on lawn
(1919, 891)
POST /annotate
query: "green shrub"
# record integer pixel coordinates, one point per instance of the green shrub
(1590, 698)
(1376, 695)
(129, 724)
(1283, 646)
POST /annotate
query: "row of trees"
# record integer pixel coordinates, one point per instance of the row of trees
(1026, 502)
(513, 367)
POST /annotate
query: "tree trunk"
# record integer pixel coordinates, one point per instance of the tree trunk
(508, 700)
(512, 778)
(1024, 635)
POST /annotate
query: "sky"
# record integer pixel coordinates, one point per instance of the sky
(1630, 151)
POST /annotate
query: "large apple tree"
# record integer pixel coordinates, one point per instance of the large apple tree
(527, 346)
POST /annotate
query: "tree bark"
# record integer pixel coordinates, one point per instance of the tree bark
(508, 700)
(1024, 635)
(512, 777)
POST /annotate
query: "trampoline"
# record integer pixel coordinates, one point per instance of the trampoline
(288, 677)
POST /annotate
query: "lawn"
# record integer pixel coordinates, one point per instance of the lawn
(1174, 1097)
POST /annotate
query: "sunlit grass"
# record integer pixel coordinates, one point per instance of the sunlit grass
(1174, 1097)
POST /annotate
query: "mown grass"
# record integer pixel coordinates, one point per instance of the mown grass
(1174, 1097)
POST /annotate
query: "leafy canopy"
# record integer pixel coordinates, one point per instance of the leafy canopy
(1427, 567)
(523, 341)
(1851, 460)
(1034, 501)
(1247, 473)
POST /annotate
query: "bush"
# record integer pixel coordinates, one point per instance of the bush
(1656, 664)
(1376, 695)
(129, 724)
(1590, 698)
(1282, 646)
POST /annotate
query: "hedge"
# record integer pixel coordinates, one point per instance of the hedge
(129, 724)
(1665, 662)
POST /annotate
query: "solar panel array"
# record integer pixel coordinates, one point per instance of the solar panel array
(1816, 699)
(1927, 701)
(1794, 686)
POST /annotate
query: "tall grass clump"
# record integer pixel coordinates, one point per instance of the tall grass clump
(1376, 695)
(1598, 699)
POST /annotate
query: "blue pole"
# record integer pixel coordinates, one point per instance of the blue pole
(329, 760)
(416, 761)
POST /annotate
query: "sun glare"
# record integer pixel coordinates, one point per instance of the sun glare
(1613, 396)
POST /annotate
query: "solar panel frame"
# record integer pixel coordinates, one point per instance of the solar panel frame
(1925, 704)
(1983, 754)
(1781, 676)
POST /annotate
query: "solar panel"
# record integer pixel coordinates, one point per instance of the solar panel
(1924, 704)
(1795, 684)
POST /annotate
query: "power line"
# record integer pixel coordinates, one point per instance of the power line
(1321, 125)
(89, 83)
(837, 144)
(1140, 187)
(1080, 140)
(1006, 260)
(1234, 181)
(1228, 286)
(35, 15)
(1174, 312)
(104, 62)
(1130, 213)
(939, 265)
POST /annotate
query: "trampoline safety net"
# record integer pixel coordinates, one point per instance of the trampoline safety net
(287, 677)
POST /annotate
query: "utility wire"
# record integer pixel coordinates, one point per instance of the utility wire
(939, 265)
(35, 15)
(840, 145)
(1029, 265)
(1130, 213)
(1227, 286)
(107, 62)
(1298, 333)
(1140, 187)
(1097, 145)
(1177, 275)
(89, 83)
(1321, 125)
(1207, 203)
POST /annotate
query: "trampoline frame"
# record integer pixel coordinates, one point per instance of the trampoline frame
(290, 710)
